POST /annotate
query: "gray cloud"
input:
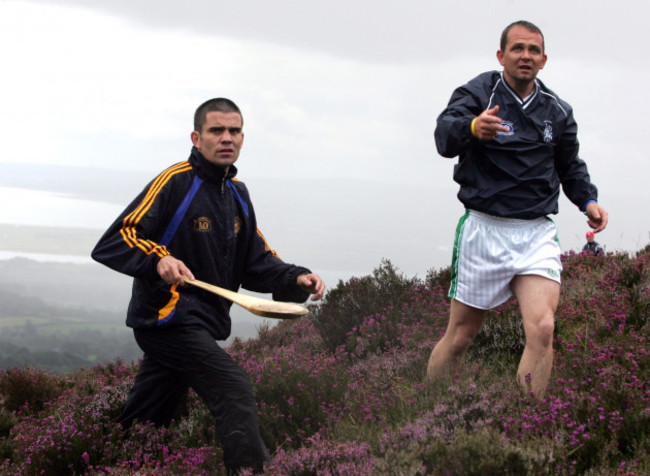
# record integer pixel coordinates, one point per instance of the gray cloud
(340, 100)
(394, 31)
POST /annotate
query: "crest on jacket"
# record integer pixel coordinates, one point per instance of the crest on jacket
(510, 131)
(203, 224)
(548, 131)
(237, 225)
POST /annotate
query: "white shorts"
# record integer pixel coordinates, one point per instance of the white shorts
(490, 251)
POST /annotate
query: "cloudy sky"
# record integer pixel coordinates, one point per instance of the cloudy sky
(339, 100)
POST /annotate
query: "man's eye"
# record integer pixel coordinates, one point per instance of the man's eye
(234, 131)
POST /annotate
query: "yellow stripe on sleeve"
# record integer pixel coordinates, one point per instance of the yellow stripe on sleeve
(266, 244)
(128, 230)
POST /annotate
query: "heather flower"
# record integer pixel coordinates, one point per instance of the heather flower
(343, 392)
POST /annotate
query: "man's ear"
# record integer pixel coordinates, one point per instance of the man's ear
(195, 137)
(543, 62)
(500, 57)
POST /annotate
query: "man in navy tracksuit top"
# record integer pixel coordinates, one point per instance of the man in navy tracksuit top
(516, 142)
(196, 219)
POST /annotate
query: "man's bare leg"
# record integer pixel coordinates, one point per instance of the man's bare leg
(538, 299)
(449, 353)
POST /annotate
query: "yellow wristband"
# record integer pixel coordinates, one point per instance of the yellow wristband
(473, 127)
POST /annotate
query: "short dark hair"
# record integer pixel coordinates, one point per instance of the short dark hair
(214, 105)
(527, 25)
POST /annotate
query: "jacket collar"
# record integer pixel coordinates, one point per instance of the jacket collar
(524, 102)
(207, 171)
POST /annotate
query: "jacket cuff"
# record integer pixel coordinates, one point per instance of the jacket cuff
(584, 207)
(288, 290)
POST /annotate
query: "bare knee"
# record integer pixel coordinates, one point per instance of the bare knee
(541, 333)
(448, 354)
(464, 323)
(458, 343)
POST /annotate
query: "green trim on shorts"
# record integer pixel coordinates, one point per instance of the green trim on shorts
(454, 259)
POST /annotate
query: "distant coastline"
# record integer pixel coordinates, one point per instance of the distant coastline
(46, 258)
(32, 207)
(46, 241)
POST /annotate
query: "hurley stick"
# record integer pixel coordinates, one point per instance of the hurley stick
(258, 306)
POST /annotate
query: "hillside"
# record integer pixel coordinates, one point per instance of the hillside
(341, 392)
(62, 316)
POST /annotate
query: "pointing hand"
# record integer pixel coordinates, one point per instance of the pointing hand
(486, 125)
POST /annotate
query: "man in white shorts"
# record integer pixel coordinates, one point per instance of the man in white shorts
(517, 143)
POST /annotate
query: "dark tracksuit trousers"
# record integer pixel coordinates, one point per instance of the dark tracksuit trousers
(177, 358)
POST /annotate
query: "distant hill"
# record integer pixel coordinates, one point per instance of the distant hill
(72, 241)
(62, 316)
(66, 285)
(88, 183)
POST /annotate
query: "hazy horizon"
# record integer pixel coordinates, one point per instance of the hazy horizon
(339, 108)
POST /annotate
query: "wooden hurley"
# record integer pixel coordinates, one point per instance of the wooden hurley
(258, 306)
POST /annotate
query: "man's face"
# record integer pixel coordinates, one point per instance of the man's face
(523, 57)
(221, 138)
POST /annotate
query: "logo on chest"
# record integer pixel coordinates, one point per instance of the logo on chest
(509, 132)
(203, 224)
(237, 225)
(548, 131)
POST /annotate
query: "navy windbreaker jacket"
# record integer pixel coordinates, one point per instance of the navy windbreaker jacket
(217, 238)
(518, 174)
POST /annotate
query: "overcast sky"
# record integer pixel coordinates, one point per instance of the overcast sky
(339, 100)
